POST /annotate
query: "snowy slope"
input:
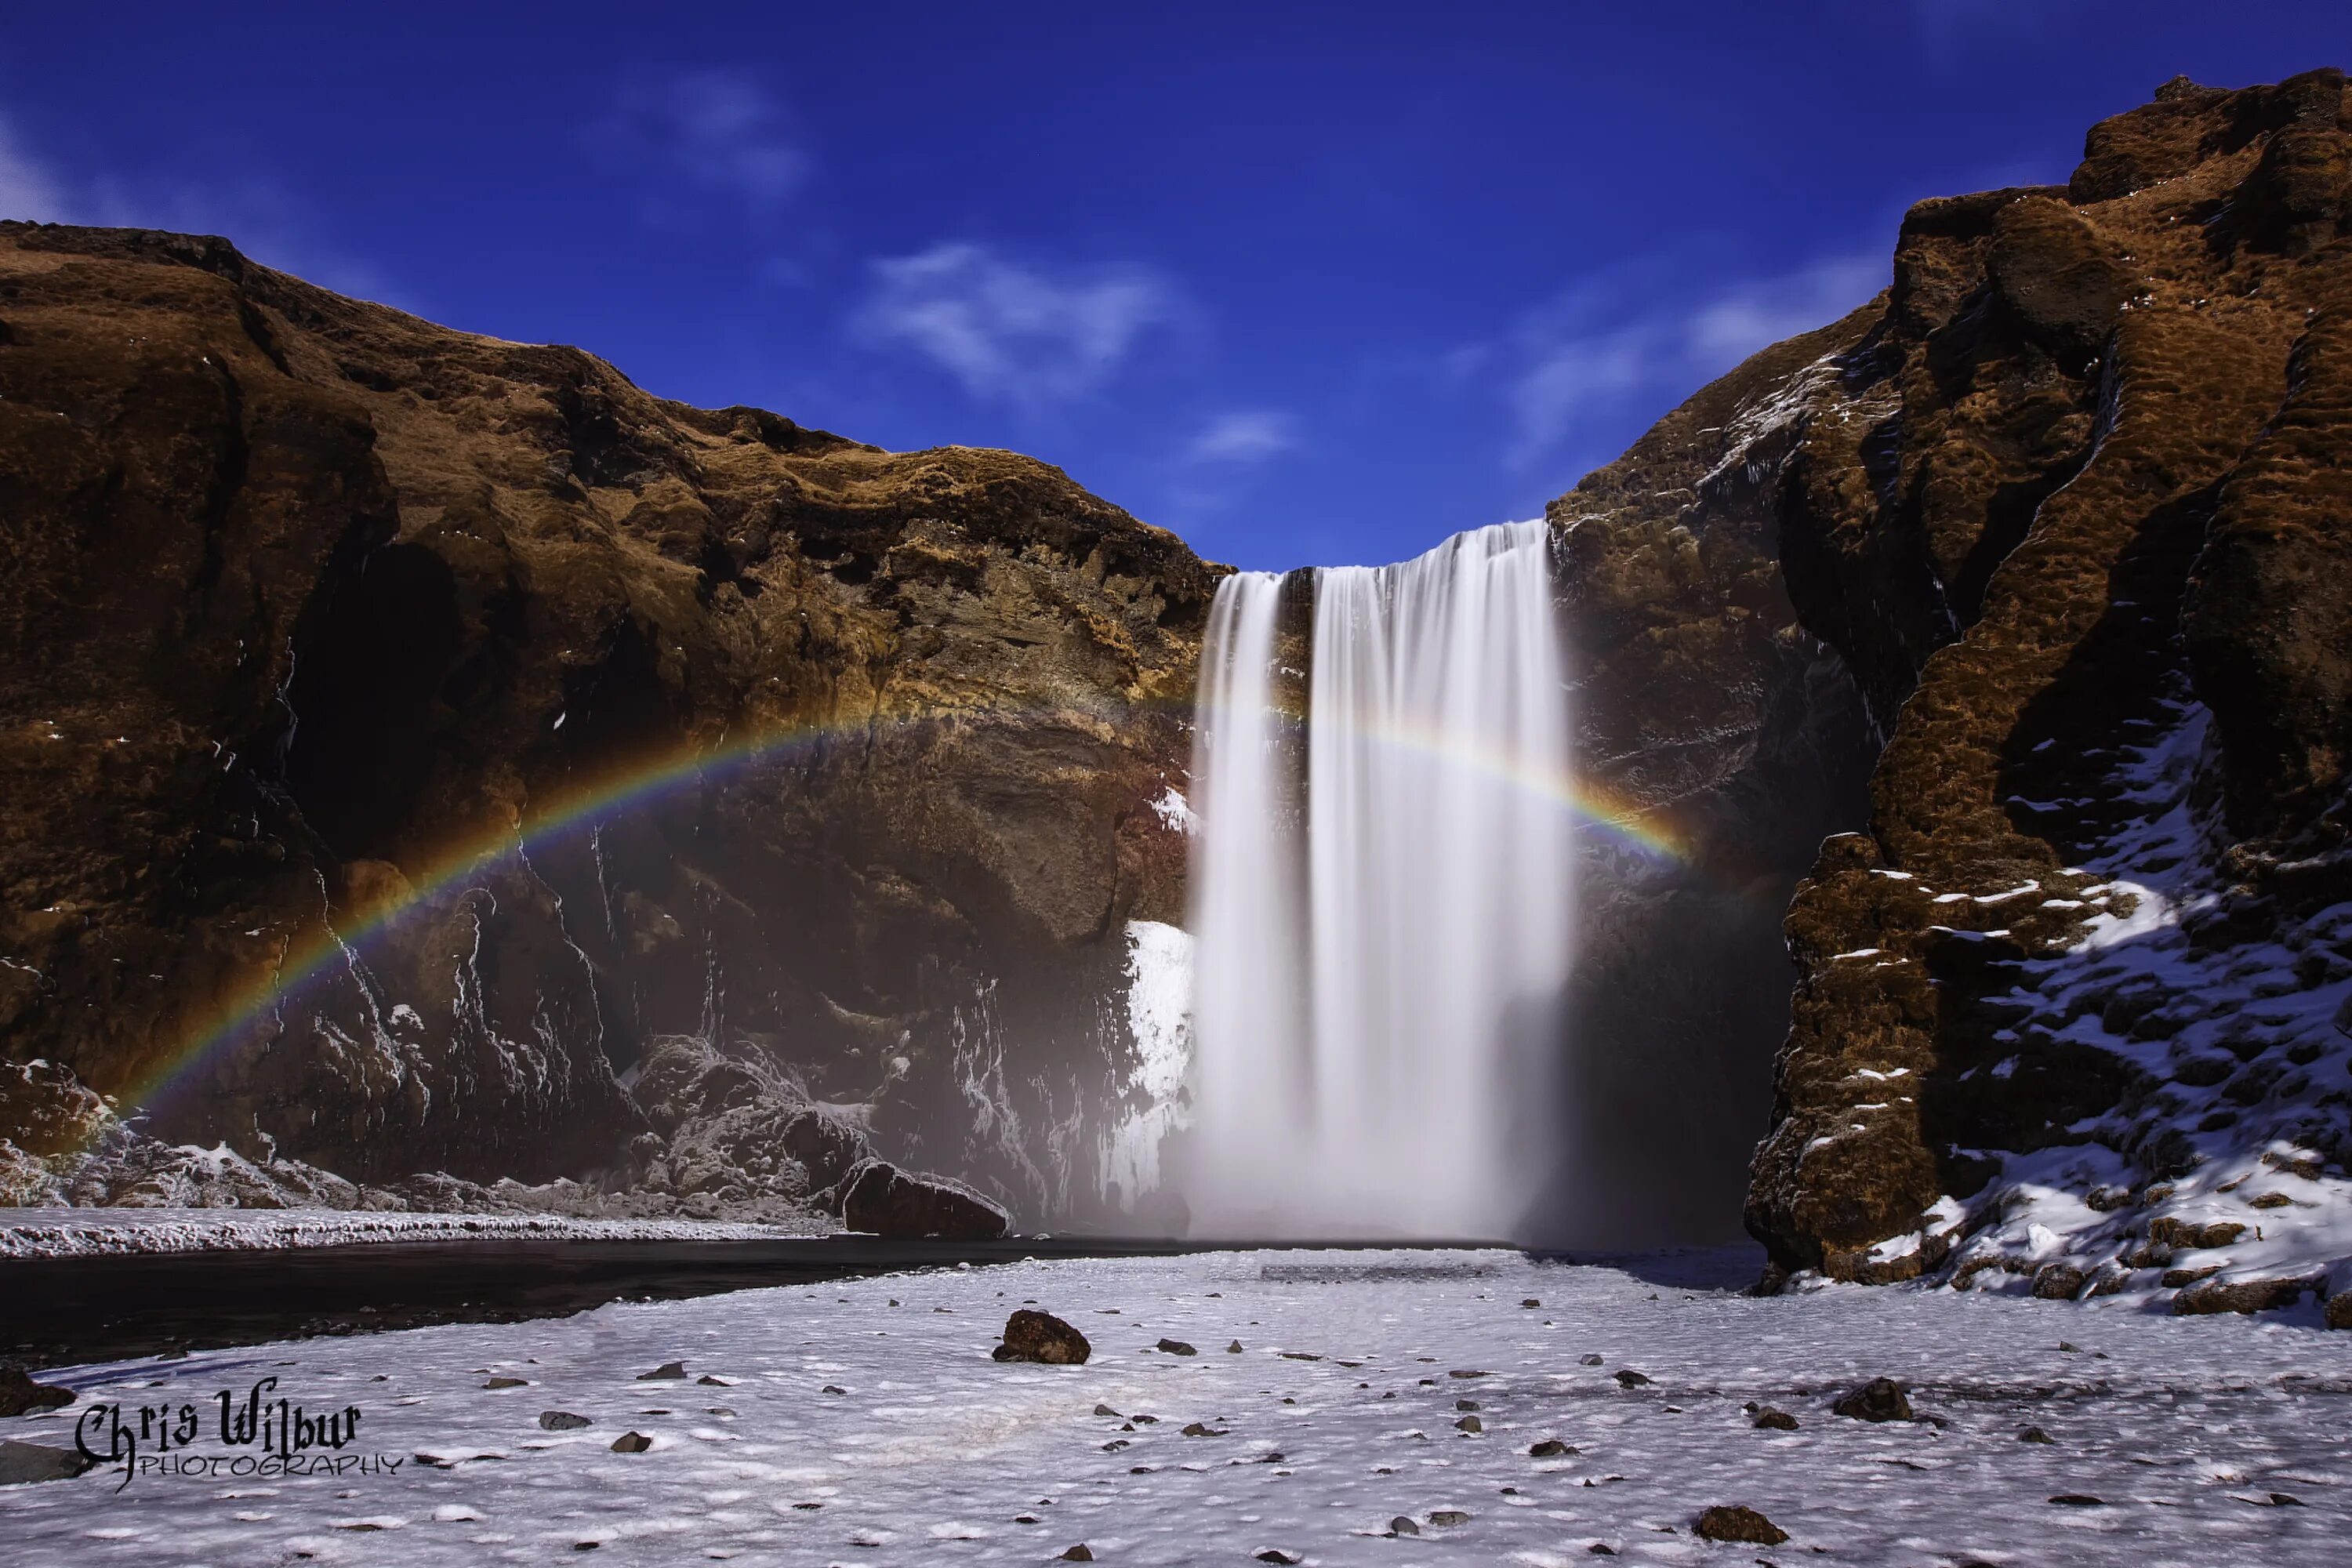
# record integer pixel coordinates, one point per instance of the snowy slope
(926, 1452)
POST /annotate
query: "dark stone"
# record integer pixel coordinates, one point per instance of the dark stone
(1630, 1379)
(563, 1421)
(507, 1383)
(1276, 1554)
(632, 1443)
(22, 1464)
(1448, 1516)
(1772, 1420)
(2034, 1434)
(1176, 1347)
(1880, 1399)
(667, 1369)
(2077, 1500)
(1470, 1423)
(20, 1395)
(1403, 1525)
(1042, 1337)
(1078, 1553)
(896, 1205)
(1740, 1524)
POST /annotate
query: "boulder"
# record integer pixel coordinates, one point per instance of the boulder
(901, 1207)
(1740, 1524)
(23, 1463)
(20, 1395)
(1042, 1337)
(2213, 1296)
(1880, 1399)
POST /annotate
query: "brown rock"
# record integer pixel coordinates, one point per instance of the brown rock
(1741, 1524)
(2064, 483)
(1880, 1399)
(632, 1443)
(1036, 1336)
(2241, 1295)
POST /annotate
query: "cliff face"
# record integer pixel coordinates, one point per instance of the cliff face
(2078, 517)
(308, 605)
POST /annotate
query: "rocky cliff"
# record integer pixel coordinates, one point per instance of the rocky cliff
(2072, 503)
(430, 754)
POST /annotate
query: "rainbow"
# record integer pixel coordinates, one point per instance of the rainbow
(310, 958)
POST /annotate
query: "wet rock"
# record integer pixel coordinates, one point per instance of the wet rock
(1741, 1524)
(1465, 1372)
(1034, 1336)
(707, 1380)
(1531, 1301)
(20, 1395)
(833, 1388)
(1466, 1405)
(668, 1369)
(563, 1421)
(1078, 1553)
(632, 1443)
(1175, 1347)
(2077, 1500)
(1403, 1525)
(1771, 1420)
(2034, 1434)
(22, 1464)
(508, 1382)
(1276, 1554)
(1107, 1410)
(1234, 1348)
(1630, 1379)
(2339, 1309)
(1588, 1360)
(898, 1204)
(1598, 1550)
(1549, 1449)
(1201, 1429)
(1880, 1399)
(1469, 1424)
(1448, 1516)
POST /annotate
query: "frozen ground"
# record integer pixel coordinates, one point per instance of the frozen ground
(82, 1233)
(865, 1423)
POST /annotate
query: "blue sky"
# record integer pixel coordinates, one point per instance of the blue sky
(1308, 284)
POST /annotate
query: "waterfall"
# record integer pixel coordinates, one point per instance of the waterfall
(1381, 898)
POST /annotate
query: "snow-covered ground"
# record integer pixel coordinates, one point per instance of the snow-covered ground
(865, 1423)
(81, 1232)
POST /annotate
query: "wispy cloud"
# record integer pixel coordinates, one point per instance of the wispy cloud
(719, 132)
(1012, 331)
(253, 213)
(1242, 437)
(1628, 335)
(27, 189)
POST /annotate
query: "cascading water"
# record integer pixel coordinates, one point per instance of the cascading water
(1382, 898)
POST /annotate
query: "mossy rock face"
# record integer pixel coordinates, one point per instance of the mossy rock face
(2105, 449)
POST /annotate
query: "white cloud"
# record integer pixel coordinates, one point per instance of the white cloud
(718, 131)
(1241, 437)
(27, 191)
(1613, 339)
(1007, 331)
